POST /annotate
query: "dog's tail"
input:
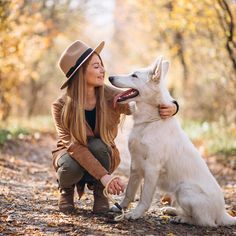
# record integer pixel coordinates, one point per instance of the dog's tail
(228, 219)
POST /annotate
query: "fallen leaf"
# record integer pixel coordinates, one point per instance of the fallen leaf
(232, 212)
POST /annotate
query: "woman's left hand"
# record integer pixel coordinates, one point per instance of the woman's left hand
(166, 111)
(116, 186)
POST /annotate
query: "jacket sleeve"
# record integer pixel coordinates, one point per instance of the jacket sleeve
(76, 150)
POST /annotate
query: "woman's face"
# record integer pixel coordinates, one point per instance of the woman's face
(95, 72)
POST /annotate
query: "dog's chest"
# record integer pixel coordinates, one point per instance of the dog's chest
(137, 144)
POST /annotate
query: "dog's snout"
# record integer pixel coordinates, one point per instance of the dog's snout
(111, 78)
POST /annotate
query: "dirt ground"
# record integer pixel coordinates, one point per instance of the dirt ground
(28, 198)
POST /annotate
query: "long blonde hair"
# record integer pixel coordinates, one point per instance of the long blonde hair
(73, 114)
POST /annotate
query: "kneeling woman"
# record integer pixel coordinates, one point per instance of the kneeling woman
(87, 124)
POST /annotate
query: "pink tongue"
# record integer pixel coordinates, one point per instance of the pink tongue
(119, 95)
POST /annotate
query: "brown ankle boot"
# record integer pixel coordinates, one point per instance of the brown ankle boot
(66, 200)
(101, 204)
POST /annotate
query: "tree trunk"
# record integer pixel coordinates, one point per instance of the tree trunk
(226, 21)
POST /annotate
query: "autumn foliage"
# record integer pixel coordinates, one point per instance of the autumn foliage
(197, 36)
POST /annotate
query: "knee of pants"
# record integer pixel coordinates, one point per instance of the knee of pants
(69, 171)
(101, 151)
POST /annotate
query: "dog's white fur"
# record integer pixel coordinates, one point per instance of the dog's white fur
(163, 155)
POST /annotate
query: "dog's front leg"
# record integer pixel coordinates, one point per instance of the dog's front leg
(149, 187)
(133, 184)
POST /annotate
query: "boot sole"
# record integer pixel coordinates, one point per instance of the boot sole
(67, 210)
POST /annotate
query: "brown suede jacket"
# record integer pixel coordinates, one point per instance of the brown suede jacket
(80, 152)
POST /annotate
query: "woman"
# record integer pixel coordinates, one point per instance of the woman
(87, 124)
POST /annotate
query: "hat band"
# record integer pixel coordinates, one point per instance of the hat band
(78, 62)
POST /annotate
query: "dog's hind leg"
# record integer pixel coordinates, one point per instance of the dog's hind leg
(133, 184)
(172, 209)
(196, 206)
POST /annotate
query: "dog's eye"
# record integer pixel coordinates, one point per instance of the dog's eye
(134, 75)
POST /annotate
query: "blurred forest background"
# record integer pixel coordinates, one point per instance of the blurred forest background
(198, 37)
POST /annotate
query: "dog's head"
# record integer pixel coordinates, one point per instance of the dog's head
(144, 84)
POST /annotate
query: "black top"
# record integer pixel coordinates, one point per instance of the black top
(90, 117)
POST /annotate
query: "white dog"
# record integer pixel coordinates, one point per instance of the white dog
(164, 157)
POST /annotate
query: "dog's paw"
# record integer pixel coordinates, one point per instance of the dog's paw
(171, 211)
(133, 215)
(179, 220)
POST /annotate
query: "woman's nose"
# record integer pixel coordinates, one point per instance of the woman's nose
(102, 69)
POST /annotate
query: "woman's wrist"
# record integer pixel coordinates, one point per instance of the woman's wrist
(177, 107)
(105, 179)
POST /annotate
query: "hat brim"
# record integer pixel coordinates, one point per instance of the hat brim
(97, 49)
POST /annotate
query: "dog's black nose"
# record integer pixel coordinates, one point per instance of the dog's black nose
(111, 78)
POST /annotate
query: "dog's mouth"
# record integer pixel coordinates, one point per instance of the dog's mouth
(130, 93)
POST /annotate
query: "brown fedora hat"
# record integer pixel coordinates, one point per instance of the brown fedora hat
(74, 56)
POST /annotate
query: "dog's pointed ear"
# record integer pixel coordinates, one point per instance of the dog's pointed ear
(156, 69)
(164, 68)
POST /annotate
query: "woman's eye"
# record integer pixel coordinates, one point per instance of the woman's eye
(134, 75)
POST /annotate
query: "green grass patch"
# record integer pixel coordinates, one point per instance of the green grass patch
(6, 134)
(20, 127)
(217, 137)
(36, 123)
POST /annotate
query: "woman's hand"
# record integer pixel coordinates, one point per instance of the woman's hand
(166, 111)
(115, 186)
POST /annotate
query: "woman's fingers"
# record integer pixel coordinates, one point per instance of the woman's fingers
(122, 188)
(116, 186)
(111, 188)
(162, 106)
(166, 111)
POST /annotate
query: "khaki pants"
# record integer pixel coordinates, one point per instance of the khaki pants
(71, 172)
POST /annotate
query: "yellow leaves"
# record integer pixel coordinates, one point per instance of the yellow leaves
(232, 213)
(52, 224)
(227, 33)
(192, 27)
(166, 200)
(34, 75)
(55, 193)
(165, 219)
(47, 42)
(189, 15)
(170, 234)
(21, 47)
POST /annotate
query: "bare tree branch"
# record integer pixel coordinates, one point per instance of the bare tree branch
(226, 21)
